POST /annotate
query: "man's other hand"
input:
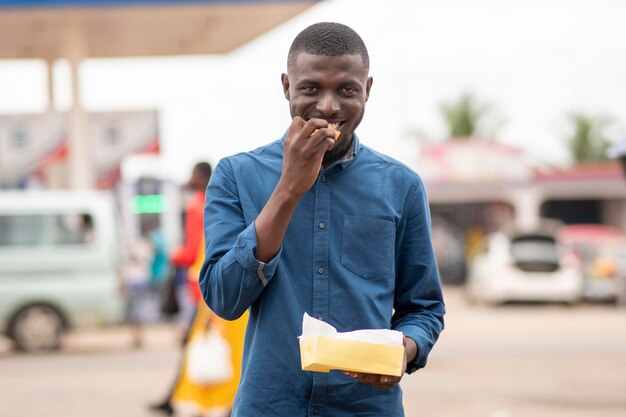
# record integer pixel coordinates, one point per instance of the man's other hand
(387, 381)
(381, 382)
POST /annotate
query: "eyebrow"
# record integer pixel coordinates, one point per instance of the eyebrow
(307, 81)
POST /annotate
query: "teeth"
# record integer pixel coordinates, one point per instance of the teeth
(335, 126)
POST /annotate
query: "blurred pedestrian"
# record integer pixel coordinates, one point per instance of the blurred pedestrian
(145, 273)
(192, 249)
(185, 392)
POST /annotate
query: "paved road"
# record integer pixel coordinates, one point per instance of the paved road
(509, 361)
(524, 361)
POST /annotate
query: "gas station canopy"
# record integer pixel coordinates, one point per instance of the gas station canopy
(41, 29)
(77, 30)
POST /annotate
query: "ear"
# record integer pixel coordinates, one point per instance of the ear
(368, 86)
(284, 79)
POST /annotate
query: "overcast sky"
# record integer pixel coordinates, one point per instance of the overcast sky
(535, 61)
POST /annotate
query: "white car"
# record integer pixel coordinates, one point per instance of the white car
(528, 266)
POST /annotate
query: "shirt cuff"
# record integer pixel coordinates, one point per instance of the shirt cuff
(423, 347)
(245, 250)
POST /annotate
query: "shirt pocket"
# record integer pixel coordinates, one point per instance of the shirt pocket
(367, 246)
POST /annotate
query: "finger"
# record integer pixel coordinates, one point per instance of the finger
(312, 126)
(319, 135)
(294, 130)
(320, 146)
(378, 381)
(297, 124)
(369, 379)
(325, 145)
(389, 380)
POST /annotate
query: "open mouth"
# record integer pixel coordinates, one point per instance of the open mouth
(336, 125)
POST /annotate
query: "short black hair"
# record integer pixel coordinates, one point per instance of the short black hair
(204, 169)
(328, 38)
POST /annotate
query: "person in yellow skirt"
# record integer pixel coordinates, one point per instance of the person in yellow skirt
(207, 399)
(210, 399)
(203, 399)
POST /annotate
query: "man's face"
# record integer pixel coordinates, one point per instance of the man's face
(333, 88)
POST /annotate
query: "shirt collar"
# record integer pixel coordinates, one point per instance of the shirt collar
(349, 156)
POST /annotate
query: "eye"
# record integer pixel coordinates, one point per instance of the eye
(308, 90)
(348, 91)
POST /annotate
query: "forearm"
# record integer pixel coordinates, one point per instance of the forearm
(232, 282)
(303, 152)
(271, 224)
(242, 255)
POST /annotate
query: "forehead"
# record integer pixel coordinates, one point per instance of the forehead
(309, 65)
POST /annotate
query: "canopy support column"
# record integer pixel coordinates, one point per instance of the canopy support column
(51, 87)
(81, 173)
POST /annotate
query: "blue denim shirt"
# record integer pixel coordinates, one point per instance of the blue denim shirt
(357, 254)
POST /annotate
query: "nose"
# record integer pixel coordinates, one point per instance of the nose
(328, 104)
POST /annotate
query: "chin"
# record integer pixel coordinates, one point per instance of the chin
(341, 147)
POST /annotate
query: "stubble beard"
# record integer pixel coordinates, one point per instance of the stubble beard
(341, 148)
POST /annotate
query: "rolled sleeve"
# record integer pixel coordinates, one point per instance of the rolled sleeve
(424, 346)
(244, 252)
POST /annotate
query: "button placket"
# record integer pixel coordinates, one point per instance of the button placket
(319, 308)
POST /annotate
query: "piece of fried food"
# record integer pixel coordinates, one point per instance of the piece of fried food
(335, 127)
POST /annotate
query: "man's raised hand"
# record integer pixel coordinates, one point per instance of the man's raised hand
(303, 152)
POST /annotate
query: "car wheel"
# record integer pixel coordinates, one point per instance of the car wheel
(37, 328)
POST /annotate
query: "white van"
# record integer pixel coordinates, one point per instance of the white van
(60, 265)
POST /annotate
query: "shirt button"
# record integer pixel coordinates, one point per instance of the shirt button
(320, 270)
(323, 178)
(322, 225)
(316, 411)
(320, 318)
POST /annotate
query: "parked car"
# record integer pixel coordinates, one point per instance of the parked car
(60, 264)
(524, 266)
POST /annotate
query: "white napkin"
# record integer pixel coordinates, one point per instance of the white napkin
(314, 327)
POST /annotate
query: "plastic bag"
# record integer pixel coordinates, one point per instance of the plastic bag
(209, 359)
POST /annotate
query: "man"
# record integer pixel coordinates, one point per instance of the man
(324, 225)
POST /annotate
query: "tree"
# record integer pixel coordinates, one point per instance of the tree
(589, 141)
(467, 117)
